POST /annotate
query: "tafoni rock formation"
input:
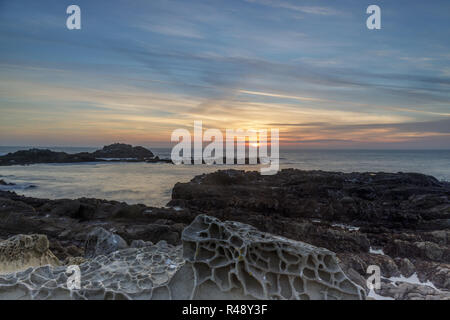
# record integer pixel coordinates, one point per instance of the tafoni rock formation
(23, 251)
(217, 260)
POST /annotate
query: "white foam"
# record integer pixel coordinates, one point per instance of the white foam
(345, 226)
(377, 251)
(413, 279)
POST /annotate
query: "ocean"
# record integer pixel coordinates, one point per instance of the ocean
(151, 183)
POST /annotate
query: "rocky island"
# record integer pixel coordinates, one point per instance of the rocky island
(235, 234)
(113, 152)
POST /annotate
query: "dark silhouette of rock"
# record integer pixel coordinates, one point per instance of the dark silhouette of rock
(4, 183)
(114, 152)
(121, 150)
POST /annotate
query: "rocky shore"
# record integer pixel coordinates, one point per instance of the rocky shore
(113, 152)
(399, 222)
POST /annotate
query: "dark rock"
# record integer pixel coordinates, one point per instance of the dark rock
(405, 266)
(4, 183)
(324, 195)
(114, 151)
(121, 150)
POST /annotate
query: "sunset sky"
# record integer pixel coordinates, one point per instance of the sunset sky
(139, 69)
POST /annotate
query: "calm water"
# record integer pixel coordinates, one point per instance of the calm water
(152, 183)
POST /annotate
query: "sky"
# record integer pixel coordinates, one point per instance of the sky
(137, 70)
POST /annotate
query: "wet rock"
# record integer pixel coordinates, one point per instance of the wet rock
(410, 291)
(151, 232)
(401, 200)
(140, 244)
(405, 266)
(421, 249)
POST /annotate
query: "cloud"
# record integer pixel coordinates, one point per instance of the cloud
(184, 31)
(315, 10)
(276, 95)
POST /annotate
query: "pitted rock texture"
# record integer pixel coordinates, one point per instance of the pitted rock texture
(133, 273)
(233, 260)
(218, 260)
(23, 251)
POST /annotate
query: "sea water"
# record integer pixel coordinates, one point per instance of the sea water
(152, 183)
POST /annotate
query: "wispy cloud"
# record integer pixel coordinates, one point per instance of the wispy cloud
(315, 10)
(173, 30)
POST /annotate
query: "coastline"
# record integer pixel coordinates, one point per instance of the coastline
(397, 221)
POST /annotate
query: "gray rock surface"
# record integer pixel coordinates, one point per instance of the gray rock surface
(218, 260)
(102, 242)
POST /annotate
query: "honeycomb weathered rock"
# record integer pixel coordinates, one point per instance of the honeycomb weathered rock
(231, 260)
(218, 260)
(134, 273)
(23, 251)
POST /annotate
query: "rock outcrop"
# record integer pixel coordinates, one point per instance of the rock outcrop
(114, 152)
(231, 260)
(23, 251)
(403, 215)
(134, 273)
(218, 260)
(395, 221)
(44, 156)
(121, 150)
(4, 183)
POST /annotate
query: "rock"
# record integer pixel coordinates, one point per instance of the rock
(230, 260)
(102, 242)
(431, 250)
(121, 150)
(125, 211)
(437, 273)
(114, 151)
(328, 196)
(4, 183)
(151, 232)
(420, 249)
(43, 156)
(347, 200)
(387, 265)
(8, 206)
(133, 273)
(410, 291)
(70, 261)
(23, 251)
(405, 266)
(68, 208)
(221, 260)
(407, 215)
(140, 244)
(354, 276)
